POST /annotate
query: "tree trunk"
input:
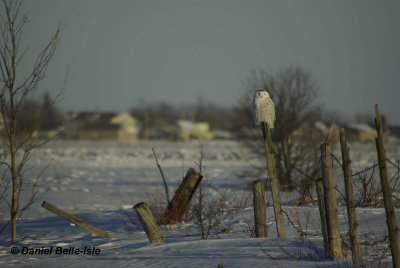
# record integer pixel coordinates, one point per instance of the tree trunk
(16, 185)
(14, 204)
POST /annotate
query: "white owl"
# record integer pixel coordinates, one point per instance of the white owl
(263, 108)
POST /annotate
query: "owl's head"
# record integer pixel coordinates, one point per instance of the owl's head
(262, 93)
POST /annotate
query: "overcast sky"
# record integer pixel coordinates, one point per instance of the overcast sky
(119, 53)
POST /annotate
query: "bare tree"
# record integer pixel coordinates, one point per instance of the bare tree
(295, 134)
(15, 88)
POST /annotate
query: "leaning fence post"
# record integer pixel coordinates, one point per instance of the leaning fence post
(351, 208)
(260, 223)
(322, 215)
(387, 193)
(280, 224)
(75, 220)
(332, 222)
(179, 204)
(148, 222)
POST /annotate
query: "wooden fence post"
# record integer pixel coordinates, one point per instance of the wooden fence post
(322, 215)
(148, 223)
(179, 204)
(280, 224)
(351, 208)
(332, 222)
(221, 265)
(75, 220)
(387, 193)
(260, 224)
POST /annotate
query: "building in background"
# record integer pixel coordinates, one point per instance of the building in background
(101, 126)
(189, 130)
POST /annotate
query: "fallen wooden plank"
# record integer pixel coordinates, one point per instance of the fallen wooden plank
(75, 220)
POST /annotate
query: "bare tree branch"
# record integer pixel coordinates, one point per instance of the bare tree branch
(162, 176)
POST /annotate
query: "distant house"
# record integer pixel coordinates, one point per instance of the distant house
(316, 130)
(128, 127)
(102, 126)
(329, 132)
(189, 130)
(366, 133)
(360, 132)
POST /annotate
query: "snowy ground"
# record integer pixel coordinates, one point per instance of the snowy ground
(100, 183)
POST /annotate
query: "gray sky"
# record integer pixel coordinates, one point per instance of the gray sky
(119, 52)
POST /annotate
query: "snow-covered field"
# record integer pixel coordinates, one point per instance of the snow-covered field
(100, 183)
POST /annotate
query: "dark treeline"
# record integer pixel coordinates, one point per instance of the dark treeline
(44, 115)
(161, 114)
(39, 115)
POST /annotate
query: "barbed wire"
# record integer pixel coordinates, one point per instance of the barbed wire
(298, 169)
(373, 166)
(397, 165)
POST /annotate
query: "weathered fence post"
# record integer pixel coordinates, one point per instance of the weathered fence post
(179, 204)
(148, 223)
(260, 223)
(351, 208)
(75, 220)
(332, 222)
(269, 152)
(387, 193)
(322, 215)
(221, 265)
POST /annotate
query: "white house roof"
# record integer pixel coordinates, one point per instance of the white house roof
(362, 127)
(123, 119)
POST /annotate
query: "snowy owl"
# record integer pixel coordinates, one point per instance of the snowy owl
(263, 108)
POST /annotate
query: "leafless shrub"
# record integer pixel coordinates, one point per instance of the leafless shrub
(206, 209)
(301, 222)
(156, 204)
(394, 181)
(368, 190)
(208, 212)
(210, 207)
(249, 230)
(244, 201)
(376, 249)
